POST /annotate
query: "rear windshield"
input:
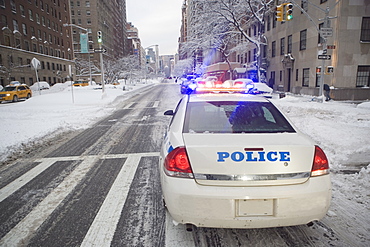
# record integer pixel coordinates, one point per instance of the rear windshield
(234, 117)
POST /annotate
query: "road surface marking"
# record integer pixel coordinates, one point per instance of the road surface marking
(25, 178)
(156, 104)
(102, 230)
(21, 233)
(129, 105)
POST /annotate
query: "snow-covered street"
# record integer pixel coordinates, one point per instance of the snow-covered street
(341, 129)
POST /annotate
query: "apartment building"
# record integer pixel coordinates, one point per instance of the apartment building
(293, 52)
(34, 29)
(91, 16)
(296, 48)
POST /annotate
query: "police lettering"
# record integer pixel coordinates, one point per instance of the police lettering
(253, 156)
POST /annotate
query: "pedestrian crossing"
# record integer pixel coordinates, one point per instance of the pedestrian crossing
(102, 229)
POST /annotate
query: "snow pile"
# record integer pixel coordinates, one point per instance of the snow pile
(60, 108)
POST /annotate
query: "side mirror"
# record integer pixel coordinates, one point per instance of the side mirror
(168, 113)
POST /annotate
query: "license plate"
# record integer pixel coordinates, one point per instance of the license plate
(258, 207)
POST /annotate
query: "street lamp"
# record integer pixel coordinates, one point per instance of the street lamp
(88, 48)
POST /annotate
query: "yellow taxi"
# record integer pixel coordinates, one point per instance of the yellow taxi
(15, 92)
(80, 83)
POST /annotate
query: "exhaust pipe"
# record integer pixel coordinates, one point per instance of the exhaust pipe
(189, 227)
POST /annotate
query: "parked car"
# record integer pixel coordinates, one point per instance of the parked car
(80, 83)
(14, 83)
(235, 161)
(260, 88)
(41, 85)
(14, 93)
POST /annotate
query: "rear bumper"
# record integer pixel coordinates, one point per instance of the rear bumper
(246, 207)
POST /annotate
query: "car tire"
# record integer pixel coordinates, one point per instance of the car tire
(28, 96)
(15, 98)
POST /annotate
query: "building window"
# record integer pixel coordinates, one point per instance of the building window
(37, 18)
(321, 39)
(304, 5)
(273, 49)
(15, 25)
(303, 40)
(24, 29)
(34, 47)
(13, 7)
(18, 43)
(2, 3)
(363, 76)
(87, 4)
(365, 29)
(306, 77)
(88, 12)
(26, 45)
(21, 8)
(290, 44)
(282, 46)
(269, 22)
(30, 14)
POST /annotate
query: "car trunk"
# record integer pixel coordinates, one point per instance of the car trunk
(249, 159)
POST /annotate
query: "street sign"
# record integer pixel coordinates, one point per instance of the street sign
(324, 57)
(35, 63)
(103, 50)
(326, 32)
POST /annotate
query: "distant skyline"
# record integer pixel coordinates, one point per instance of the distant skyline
(158, 22)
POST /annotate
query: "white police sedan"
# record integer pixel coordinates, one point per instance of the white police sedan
(235, 161)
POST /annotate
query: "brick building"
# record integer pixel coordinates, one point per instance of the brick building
(34, 29)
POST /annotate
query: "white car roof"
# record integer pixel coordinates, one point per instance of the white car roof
(225, 97)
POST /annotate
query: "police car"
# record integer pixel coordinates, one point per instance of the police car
(235, 161)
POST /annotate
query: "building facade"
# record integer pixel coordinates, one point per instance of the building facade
(108, 17)
(293, 52)
(34, 29)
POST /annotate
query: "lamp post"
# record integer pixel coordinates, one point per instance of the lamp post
(88, 48)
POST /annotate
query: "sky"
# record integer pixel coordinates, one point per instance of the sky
(158, 22)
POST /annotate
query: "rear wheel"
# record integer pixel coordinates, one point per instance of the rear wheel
(15, 98)
(28, 96)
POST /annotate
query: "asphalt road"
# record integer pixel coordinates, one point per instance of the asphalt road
(100, 187)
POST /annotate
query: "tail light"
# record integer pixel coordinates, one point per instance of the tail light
(218, 83)
(201, 83)
(177, 164)
(238, 84)
(320, 164)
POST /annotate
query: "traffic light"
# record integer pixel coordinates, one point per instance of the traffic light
(318, 70)
(288, 11)
(100, 37)
(279, 13)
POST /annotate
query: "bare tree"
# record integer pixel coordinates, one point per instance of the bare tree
(222, 25)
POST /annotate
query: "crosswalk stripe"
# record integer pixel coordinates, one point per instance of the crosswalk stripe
(24, 229)
(24, 179)
(102, 230)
